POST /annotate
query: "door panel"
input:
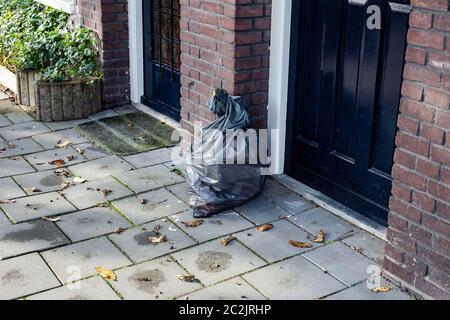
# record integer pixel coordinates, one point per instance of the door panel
(162, 56)
(343, 103)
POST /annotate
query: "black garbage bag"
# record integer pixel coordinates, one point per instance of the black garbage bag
(224, 167)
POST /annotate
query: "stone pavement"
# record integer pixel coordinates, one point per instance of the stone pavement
(56, 258)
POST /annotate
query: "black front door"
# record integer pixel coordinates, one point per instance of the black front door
(345, 84)
(162, 56)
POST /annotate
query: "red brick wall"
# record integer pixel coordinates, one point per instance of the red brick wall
(109, 18)
(225, 44)
(419, 234)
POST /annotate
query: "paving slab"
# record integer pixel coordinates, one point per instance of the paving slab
(41, 160)
(369, 245)
(91, 152)
(361, 292)
(147, 179)
(34, 207)
(150, 158)
(286, 198)
(19, 147)
(51, 139)
(90, 194)
(14, 166)
(90, 289)
(125, 110)
(156, 280)
(103, 115)
(44, 181)
(61, 125)
(157, 204)
(181, 190)
(319, 219)
(293, 279)
(135, 244)
(23, 130)
(273, 245)
(261, 211)
(234, 289)
(84, 257)
(24, 238)
(19, 117)
(4, 121)
(342, 262)
(212, 262)
(215, 227)
(4, 220)
(91, 223)
(10, 190)
(101, 168)
(25, 275)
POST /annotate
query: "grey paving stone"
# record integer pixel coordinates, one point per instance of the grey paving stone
(51, 139)
(101, 168)
(103, 115)
(29, 237)
(55, 126)
(217, 226)
(125, 109)
(286, 198)
(23, 130)
(344, 263)
(91, 152)
(181, 190)
(261, 211)
(4, 220)
(45, 181)
(25, 275)
(293, 279)
(34, 207)
(361, 292)
(158, 204)
(150, 158)
(85, 257)
(234, 289)
(147, 179)
(9, 189)
(14, 166)
(90, 289)
(212, 263)
(134, 242)
(319, 219)
(19, 117)
(21, 147)
(4, 121)
(90, 194)
(91, 223)
(156, 280)
(41, 160)
(369, 245)
(273, 245)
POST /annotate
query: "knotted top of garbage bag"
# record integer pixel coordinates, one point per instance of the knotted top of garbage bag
(232, 112)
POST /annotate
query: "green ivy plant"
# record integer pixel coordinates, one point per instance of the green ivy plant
(33, 36)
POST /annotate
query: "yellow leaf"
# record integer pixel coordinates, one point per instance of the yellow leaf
(57, 162)
(320, 237)
(106, 273)
(265, 227)
(300, 245)
(157, 240)
(186, 278)
(225, 242)
(381, 290)
(63, 145)
(193, 224)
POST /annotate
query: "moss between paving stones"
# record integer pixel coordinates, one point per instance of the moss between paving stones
(128, 134)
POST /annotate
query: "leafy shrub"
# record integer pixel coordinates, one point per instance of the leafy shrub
(33, 36)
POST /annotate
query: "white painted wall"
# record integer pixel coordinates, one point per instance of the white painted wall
(63, 5)
(136, 50)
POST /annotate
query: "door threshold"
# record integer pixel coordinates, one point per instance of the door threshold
(158, 115)
(333, 206)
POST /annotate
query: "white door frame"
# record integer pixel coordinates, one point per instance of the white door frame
(136, 42)
(278, 81)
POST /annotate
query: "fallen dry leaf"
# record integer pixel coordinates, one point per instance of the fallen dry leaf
(320, 237)
(102, 205)
(157, 228)
(381, 290)
(32, 190)
(57, 162)
(15, 158)
(79, 150)
(106, 192)
(64, 144)
(225, 242)
(119, 230)
(193, 224)
(106, 273)
(11, 146)
(64, 185)
(7, 201)
(184, 278)
(62, 172)
(300, 245)
(157, 240)
(79, 180)
(70, 157)
(51, 219)
(265, 227)
(358, 249)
